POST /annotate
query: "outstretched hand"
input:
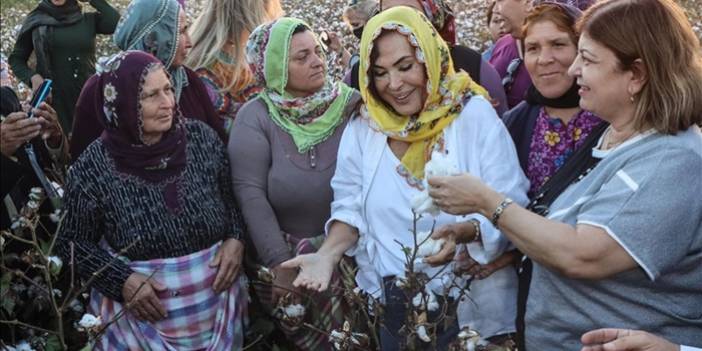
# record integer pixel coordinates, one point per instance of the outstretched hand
(315, 270)
(458, 195)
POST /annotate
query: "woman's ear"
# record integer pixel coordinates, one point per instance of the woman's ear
(639, 77)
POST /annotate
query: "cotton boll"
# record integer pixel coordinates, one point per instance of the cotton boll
(294, 311)
(427, 245)
(422, 333)
(439, 165)
(89, 321)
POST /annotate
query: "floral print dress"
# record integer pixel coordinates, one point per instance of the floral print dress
(553, 142)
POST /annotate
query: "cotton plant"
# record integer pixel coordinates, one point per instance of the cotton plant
(439, 165)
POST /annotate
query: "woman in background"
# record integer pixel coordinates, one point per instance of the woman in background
(62, 38)
(219, 37)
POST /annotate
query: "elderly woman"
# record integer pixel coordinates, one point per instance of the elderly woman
(283, 150)
(415, 105)
(151, 219)
(62, 38)
(218, 55)
(158, 27)
(621, 246)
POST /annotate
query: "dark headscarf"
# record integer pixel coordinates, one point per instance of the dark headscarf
(163, 162)
(40, 23)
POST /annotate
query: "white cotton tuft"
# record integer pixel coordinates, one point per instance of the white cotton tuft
(89, 321)
(427, 245)
(422, 333)
(439, 165)
(294, 311)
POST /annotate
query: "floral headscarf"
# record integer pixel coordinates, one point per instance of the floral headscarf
(446, 89)
(153, 26)
(121, 83)
(309, 120)
(441, 16)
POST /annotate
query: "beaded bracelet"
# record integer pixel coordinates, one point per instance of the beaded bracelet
(476, 225)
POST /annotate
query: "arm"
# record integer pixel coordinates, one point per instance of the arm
(83, 227)
(106, 18)
(616, 230)
(19, 56)
(250, 160)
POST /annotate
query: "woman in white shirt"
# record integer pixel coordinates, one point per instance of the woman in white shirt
(416, 105)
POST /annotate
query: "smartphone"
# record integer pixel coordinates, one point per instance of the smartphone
(39, 96)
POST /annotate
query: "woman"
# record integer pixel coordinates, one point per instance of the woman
(63, 41)
(464, 58)
(283, 150)
(151, 219)
(158, 27)
(615, 248)
(497, 26)
(415, 103)
(219, 38)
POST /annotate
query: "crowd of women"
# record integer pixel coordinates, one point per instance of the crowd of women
(201, 153)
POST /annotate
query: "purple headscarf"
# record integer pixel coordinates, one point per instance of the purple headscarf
(121, 83)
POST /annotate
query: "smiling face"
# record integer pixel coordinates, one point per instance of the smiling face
(513, 12)
(605, 89)
(184, 44)
(399, 79)
(306, 67)
(157, 106)
(548, 53)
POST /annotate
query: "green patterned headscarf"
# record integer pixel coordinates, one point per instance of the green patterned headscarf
(153, 26)
(309, 120)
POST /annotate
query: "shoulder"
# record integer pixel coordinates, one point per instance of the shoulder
(90, 166)
(253, 110)
(517, 113)
(506, 43)
(199, 130)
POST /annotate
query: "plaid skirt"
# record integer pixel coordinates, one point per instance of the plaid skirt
(198, 319)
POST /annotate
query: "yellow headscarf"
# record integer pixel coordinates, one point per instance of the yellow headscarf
(446, 89)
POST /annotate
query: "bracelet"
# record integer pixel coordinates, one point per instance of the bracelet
(499, 210)
(476, 225)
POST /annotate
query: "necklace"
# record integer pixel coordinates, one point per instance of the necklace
(608, 143)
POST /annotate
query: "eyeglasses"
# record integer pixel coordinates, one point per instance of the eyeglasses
(508, 79)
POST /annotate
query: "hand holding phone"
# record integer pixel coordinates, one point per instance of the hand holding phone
(40, 96)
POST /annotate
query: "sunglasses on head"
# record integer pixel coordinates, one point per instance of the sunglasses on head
(511, 71)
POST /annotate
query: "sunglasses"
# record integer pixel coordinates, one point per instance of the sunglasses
(511, 71)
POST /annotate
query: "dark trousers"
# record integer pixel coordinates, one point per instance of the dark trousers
(394, 318)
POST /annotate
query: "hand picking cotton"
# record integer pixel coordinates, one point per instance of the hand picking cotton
(439, 165)
(427, 245)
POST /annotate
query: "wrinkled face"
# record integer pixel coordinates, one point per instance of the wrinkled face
(513, 12)
(356, 20)
(604, 86)
(58, 2)
(184, 44)
(498, 27)
(400, 80)
(410, 3)
(157, 105)
(548, 53)
(306, 67)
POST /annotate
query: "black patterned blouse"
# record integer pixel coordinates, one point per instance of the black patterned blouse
(123, 211)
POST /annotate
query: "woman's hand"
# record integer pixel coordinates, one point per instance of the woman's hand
(449, 233)
(624, 340)
(463, 194)
(228, 261)
(139, 292)
(16, 130)
(283, 284)
(36, 81)
(315, 270)
(50, 127)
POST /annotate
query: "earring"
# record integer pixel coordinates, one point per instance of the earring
(631, 97)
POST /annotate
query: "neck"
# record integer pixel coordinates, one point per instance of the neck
(151, 138)
(564, 114)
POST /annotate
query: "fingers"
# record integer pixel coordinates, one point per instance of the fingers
(295, 262)
(600, 336)
(216, 260)
(436, 181)
(445, 255)
(443, 232)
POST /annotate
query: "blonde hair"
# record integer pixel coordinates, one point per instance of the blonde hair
(363, 9)
(658, 33)
(228, 22)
